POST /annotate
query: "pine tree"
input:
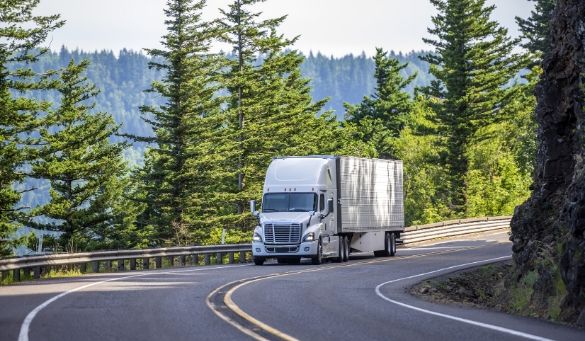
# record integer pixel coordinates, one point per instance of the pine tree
(535, 29)
(177, 174)
(419, 146)
(21, 36)
(473, 64)
(270, 111)
(81, 165)
(380, 118)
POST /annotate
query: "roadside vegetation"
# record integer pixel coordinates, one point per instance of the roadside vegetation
(546, 277)
(474, 139)
(467, 140)
(489, 287)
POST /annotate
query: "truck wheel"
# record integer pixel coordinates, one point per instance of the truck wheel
(296, 260)
(392, 242)
(387, 246)
(340, 250)
(318, 259)
(345, 249)
(259, 260)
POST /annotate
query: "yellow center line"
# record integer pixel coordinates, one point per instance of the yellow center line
(228, 301)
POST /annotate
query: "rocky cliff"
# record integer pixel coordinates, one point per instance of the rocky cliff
(548, 231)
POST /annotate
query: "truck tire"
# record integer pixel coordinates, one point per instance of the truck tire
(345, 249)
(389, 246)
(340, 250)
(318, 259)
(259, 260)
(282, 260)
(392, 241)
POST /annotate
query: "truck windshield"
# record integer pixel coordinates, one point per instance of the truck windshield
(289, 202)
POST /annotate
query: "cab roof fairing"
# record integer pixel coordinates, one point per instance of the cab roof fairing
(303, 174)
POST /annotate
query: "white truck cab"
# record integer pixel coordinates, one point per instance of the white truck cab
(326, 206)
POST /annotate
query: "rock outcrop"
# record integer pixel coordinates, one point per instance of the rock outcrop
(548, 231)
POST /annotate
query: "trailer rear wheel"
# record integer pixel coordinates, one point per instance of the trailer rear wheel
(345, 248)
(340, 250)
(389, 246)
(392, 242)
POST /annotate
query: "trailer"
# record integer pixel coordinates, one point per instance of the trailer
(326, 206)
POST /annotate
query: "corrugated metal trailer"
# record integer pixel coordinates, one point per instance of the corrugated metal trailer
(370, 195)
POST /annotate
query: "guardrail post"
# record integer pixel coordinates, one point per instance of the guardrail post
(95, 266)
(171, 261)
(231, 258)
(37, 272)
(219, 258)
(16, 275)
(207, 259)
(182, 260)
(83, 267)
(108, 266)
(195, 259)
(121, 266)
(242, 256)
(132, 264)
(158, 261)
(145, 263)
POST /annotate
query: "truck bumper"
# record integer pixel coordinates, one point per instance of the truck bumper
(306, 249)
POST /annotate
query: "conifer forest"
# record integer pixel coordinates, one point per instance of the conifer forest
(166, 148)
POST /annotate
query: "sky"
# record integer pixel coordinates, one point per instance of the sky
(332, 27)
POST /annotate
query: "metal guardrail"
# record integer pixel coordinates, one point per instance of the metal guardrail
(452, 228)
(143, 259)
(103, 261)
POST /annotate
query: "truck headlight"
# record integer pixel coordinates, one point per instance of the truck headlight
(257, 237)
(309, 237)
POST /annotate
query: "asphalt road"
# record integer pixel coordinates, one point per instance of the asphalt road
(364, 299)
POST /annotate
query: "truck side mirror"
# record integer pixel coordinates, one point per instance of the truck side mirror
(329, 206)
(253, 208)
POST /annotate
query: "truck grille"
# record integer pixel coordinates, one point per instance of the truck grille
(282, 234)
(283, 249)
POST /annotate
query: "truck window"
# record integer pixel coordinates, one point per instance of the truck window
(321, 202)
(289, 202)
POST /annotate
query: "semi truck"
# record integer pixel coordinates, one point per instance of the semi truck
(325, 206)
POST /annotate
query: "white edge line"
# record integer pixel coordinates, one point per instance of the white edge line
(24, 328)
(423, 248)
(455, 318)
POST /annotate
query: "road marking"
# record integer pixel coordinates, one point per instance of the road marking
(25, 327)
(235, 285)
(432, 248)
(451, 317)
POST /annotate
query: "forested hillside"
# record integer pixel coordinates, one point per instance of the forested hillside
(122, 79)
(350, 78)
(124, 76)
(167, 147)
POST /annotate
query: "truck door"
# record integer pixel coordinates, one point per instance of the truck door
(330, 243)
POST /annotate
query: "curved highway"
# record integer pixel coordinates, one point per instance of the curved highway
(364, 299)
